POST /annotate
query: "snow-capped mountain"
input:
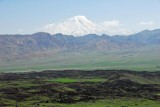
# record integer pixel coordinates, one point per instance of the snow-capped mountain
(81, 25)
(77, 25)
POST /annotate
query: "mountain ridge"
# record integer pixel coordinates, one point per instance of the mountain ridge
(24, 45)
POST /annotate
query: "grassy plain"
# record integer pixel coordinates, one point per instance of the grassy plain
(133, 60)
(71, 80)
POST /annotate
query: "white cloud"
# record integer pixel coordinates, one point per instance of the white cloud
(80, 25)
(149, 23)
(114, 27)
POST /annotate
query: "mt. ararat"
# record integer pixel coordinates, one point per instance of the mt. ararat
(80, 25)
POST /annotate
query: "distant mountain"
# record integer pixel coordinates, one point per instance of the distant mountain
(81, 25)
(146, 37)
(16, 46)
(77, 25)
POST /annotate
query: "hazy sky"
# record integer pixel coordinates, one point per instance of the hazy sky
(28, 16)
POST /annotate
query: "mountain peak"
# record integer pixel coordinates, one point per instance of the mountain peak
(81, 25)
(81, 20)
(77, 26)
(79, 17)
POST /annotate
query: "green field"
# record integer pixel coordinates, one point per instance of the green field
(132, 60)
(71, 80)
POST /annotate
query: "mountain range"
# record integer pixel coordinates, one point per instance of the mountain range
(41, 43)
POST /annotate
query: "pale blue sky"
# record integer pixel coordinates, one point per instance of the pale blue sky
(27, 16)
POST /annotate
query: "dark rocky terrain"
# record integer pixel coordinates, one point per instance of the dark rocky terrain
(42, 87)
